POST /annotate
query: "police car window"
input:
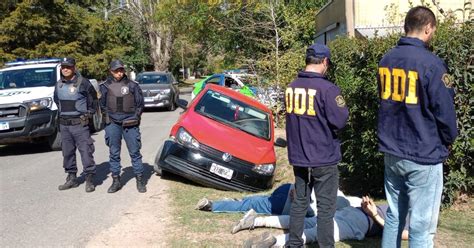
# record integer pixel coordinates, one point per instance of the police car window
(214, 80)
(231, 83)
(24, 78)
(152, 79)
(234, 113)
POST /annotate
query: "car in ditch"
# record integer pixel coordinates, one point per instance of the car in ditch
(160, 89)
(223, 140)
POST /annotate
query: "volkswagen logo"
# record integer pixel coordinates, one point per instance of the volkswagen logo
(226, 157)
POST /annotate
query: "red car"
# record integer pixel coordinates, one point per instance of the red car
(224, 140)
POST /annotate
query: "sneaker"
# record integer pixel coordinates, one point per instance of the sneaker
(204, 205)
(246, 222)
(265, 240)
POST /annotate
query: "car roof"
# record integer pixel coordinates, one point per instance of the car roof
(241, 97)
(31, 66)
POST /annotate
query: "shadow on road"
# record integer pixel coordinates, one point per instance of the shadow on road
(179, 179)
(127, 173)
(23, 149)
(155, 109)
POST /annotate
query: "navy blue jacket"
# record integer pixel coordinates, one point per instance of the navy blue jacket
(416, 118)
(311, 125)
(138, 96)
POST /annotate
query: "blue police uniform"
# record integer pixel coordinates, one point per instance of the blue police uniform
(315, 112)
(416, 118)
(122, 101)
(75, 100)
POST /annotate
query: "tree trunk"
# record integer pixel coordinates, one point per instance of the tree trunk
(160, 49)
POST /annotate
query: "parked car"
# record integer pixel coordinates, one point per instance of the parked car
(226, 80)
(223, 140)
(160, 89)
(28, 113)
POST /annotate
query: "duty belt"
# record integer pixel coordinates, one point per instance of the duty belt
(70, 122)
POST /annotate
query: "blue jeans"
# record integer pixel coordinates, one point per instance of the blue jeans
(415, 190)
(262, 204)
(113, 139)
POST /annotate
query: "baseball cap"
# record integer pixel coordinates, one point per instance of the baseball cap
(318, 51)
(116, 64)
(68, 62)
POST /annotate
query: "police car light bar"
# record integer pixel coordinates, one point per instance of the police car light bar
(32, 62)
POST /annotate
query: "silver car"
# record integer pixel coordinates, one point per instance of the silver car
(160, 89)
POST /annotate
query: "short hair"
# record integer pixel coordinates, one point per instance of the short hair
(314, 60)
(417, 18)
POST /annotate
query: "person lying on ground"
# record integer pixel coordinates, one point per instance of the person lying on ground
(349, 223)
(278, 203)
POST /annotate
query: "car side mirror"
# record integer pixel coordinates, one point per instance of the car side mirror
(280, 142)
(182, 104)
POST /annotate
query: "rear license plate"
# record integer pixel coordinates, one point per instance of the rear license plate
(4, 126)
(221, 171)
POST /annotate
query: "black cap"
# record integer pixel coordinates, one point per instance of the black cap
(68, 62)
(116, 64)
(318, 51)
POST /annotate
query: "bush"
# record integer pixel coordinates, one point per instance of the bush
(355, 66)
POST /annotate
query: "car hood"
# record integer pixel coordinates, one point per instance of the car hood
(25, 94)
(154, 86)
(227, 139)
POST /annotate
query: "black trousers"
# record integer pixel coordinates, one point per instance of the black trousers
(77, 137)
(325, 181)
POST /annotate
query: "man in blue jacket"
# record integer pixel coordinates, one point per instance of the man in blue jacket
(122, 102)
(315, 111)
(416, 127)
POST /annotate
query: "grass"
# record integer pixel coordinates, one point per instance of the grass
(194, 228)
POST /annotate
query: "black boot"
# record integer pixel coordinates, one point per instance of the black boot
(71, 182)
(116, 185)
(141, 183)
(90, 187)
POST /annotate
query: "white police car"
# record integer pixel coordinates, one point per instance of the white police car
(27, 110)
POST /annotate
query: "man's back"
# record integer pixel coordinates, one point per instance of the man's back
(416, 116)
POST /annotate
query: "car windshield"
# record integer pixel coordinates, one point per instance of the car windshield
(23, 78)
(152, 79)
(234, 113)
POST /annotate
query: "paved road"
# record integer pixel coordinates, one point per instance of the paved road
(34, 213)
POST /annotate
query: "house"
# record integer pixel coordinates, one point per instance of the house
(366, 18)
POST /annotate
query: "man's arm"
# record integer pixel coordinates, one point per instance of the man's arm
(139, 101)
(370, 209)
(91, 96)
(336, 110)
(441, 102)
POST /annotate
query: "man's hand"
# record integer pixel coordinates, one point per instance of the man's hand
(369, 206)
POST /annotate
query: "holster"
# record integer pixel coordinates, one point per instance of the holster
(84, 120)
(130, 123)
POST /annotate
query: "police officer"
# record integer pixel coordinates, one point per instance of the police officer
(122, 102)
(315, 111)
(76, 98)
(416, 127)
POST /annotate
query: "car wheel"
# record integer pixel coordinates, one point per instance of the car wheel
(54, 141)
(97, 123)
